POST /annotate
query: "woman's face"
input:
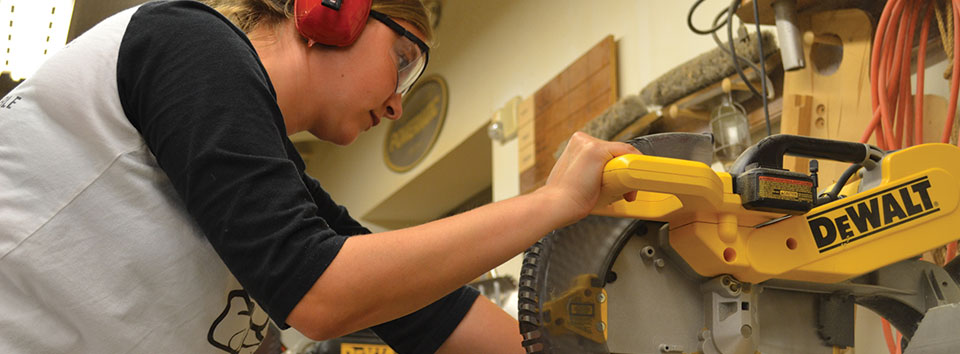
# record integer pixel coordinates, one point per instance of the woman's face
(346, 91)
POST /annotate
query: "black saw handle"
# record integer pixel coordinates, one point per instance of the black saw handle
(769, 152)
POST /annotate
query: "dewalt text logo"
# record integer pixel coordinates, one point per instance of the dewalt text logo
(868, 215)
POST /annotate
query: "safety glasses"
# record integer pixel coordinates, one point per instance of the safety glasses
(412, 54)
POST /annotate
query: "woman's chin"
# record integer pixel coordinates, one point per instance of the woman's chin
(343, 139)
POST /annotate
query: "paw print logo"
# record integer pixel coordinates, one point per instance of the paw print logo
(241, 326)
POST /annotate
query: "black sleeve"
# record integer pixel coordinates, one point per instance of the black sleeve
(193, 86)
(419, 332)
(425, 330)
(335, 215)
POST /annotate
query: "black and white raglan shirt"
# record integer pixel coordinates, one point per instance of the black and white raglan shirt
(150, 201)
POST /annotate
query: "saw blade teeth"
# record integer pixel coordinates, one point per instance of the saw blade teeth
(531, 335)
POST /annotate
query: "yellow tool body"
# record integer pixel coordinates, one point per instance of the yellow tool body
(911, 210)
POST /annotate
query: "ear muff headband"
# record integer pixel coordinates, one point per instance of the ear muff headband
(331, 22)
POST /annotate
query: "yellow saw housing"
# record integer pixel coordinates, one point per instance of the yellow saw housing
(913, 209)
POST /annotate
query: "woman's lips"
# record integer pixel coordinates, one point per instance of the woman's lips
(374, 119)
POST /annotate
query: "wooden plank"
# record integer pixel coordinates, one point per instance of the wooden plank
(935, 119)
(525, 134)
(581, 92)
(840, 108)
(800, 108)
(745, 12)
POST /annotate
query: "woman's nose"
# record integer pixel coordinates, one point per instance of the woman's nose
(394, 107)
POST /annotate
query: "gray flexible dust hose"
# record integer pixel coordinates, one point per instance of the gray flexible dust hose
(695, 74)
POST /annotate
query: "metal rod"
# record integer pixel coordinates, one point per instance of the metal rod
(791, 41)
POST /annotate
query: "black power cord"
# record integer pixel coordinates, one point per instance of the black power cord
(717, 25)
(733, 50)
(716, 39)
(734, 5)
(763, 67)
(696, 30)
(727, 16)
(834, 193)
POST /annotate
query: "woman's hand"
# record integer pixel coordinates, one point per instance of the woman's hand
(575, 179)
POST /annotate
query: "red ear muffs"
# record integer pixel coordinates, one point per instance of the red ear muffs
(331, 22)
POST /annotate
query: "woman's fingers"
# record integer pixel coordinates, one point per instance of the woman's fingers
(578, 172)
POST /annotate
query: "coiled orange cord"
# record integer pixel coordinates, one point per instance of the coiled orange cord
(897, 120)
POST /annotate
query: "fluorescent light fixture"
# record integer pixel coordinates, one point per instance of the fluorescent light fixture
(30, 32)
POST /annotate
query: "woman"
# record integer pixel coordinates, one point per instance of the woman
(151, 202)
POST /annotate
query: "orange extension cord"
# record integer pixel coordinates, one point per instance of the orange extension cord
(898, 120)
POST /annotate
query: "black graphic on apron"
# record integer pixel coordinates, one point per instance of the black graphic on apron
(226, 335)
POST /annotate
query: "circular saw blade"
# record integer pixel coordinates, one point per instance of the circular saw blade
(584, 248)
(652, 302)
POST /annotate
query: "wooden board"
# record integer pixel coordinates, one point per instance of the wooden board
(581, 92)
(835, 106)
(838, 106)
(525, 135)
(745, 12)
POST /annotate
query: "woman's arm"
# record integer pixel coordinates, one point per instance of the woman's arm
(207, 111)
(485, 329)
(379, 277)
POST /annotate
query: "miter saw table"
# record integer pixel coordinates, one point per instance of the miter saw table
(757, 260)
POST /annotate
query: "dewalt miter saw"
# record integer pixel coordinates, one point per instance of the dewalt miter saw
(757, 260)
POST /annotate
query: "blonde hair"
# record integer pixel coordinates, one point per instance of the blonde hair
(248, 14)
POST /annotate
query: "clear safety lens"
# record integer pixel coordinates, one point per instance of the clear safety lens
(411, 63)
(411, 53)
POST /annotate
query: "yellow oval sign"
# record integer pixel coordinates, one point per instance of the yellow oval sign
(411, 137)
